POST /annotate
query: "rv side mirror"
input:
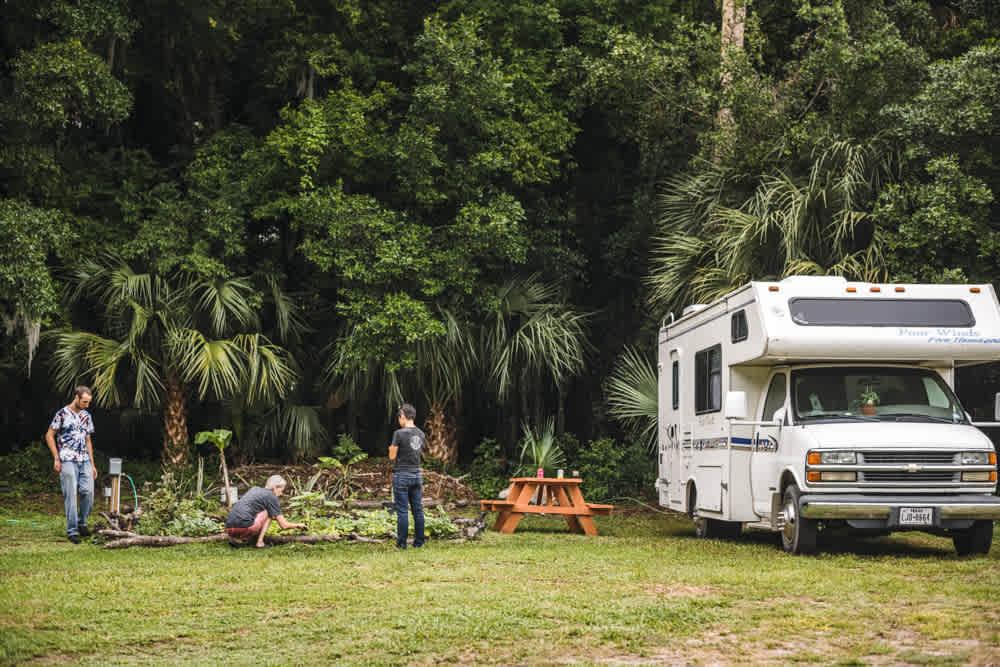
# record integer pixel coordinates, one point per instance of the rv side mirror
(996, 407)
(779, 416)
(736, 405)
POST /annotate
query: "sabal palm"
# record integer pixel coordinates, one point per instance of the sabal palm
(539, 448)
(631, 392)
(533, 335)
(443, 364)
(159, 338)
(717, 233)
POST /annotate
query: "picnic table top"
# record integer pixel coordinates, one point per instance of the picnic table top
(547, 480)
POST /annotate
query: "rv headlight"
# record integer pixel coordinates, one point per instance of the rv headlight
(838, 458)
(975, 458)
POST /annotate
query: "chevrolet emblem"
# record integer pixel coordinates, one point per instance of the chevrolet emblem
(913, 467)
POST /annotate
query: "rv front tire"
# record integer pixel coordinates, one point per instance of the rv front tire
(798, 535)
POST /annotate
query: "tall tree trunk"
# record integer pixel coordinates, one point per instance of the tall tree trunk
(176, 443)
(734, 16)
(442, 440)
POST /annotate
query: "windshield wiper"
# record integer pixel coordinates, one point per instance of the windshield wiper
(901, 416)
(839, 418)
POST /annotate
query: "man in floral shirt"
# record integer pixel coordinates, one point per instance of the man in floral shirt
(68, 438)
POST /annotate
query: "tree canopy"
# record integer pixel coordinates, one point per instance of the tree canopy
(478, 205)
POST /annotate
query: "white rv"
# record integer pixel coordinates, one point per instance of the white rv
(815, 402)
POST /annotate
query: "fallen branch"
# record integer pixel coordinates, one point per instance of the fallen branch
(124, 539)
(160, 541)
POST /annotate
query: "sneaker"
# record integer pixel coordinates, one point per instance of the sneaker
(84, 531)
(75, 539)
(236, 545)
(263, 546)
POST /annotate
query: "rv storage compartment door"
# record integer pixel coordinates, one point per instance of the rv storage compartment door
(708, 480)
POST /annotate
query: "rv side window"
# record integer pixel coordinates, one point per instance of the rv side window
(708, 380)
(675, 387)
(738, 326)
(861, 312)
(775, 397)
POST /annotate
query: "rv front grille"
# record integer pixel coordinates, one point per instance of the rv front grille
(907, 458)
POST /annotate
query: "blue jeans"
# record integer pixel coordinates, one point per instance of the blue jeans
(407, 488)
(77, 477)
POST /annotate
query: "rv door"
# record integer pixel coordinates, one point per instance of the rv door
(764, 456)
(677, 437)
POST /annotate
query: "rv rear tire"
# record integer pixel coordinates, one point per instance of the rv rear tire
(798, 536)
(976, 540)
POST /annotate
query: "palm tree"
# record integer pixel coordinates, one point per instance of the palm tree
(443, 364)
(631, 392)
(160, 340)
(718, 231)
(533, 337)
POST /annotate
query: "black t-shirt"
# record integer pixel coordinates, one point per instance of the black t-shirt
(410, 441)
(249, 506)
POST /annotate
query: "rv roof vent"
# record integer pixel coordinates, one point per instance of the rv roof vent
(693, 308)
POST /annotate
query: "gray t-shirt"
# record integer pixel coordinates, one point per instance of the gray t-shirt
(410, 441)
(250, 505)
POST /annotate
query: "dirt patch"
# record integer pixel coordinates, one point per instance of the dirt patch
(681, 591)
(898, 648)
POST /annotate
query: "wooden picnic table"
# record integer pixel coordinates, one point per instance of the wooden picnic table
(560, 496)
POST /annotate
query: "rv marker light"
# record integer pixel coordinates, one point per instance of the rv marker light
(900, 289)
(772, 288)
(852, 290)
(978, 476)
(813, 459)
(974, 290)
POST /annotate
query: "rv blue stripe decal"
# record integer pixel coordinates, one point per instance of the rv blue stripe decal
(742, 441)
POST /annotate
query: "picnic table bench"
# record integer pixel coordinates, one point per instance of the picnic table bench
(558, 496)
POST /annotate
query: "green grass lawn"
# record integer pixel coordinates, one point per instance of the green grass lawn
(645, 591)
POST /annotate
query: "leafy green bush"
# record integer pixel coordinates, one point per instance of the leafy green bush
(168, 511)
(609, 470)
(377, 523)
(489, 472)
(29, 470)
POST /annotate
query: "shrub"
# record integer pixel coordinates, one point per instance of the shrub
(611, 471)
(29, 470)
(489, 472)
(168, 511)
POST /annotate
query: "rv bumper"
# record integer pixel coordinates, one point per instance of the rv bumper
(886, 509)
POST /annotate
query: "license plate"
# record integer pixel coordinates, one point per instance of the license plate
(916, 516)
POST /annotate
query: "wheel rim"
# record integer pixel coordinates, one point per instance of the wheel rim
(791, 521)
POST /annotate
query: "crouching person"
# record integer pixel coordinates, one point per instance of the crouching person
(251, 515)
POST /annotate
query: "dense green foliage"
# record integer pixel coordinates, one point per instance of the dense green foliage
(284, 218)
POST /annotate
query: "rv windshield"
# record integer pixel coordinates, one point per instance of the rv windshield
(873, 393)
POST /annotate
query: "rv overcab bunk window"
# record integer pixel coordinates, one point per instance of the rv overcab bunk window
(860, 312)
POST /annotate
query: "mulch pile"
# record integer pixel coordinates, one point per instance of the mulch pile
(368, 480)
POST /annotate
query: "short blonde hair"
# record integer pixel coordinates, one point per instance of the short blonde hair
(274, 481)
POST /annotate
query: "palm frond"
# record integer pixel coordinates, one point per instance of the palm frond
(270, 370)
(631, 392)
(216, 366)
(294, 428)
(226, 304)
(539, 448)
